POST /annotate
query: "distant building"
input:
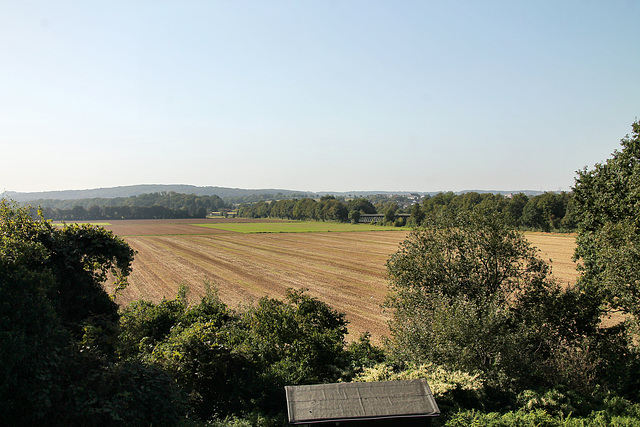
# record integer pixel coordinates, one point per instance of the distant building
(389, 403)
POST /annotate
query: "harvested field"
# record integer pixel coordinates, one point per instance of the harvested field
(347, 270)
(559, 249)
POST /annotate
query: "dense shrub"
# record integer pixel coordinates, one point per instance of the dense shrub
(233, 362)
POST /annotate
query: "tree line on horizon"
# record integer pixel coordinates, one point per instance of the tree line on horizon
(163, 205)
(549, 211)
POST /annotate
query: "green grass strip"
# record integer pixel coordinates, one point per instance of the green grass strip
(296, 227)
(101, 224)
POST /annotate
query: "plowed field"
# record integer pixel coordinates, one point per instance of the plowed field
(345, 269)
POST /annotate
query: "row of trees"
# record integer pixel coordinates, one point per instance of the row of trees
(547, 211)
(328, 208)
(78, 213)
(144, 206)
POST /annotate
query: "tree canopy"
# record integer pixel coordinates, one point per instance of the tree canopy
(468, 291)
(58, 326)
(607, 204)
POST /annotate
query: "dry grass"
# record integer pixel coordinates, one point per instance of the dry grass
(347, 270)
(558, 248)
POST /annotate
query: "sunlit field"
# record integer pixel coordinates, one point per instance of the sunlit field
(296, 227)
(342, 264)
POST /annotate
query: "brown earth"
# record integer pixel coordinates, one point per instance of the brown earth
(347, 270)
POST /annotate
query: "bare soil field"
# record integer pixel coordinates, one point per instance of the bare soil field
(347, 270)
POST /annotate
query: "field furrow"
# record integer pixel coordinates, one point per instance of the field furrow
(345, 269)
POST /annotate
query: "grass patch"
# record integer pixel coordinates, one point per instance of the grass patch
(296, 227)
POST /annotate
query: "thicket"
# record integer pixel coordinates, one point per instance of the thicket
(58, 328)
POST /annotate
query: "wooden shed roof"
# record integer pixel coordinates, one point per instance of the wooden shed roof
(311, 404)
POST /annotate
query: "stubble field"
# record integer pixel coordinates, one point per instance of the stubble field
(345, 269)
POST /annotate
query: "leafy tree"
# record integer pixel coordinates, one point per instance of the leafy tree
(607, 209)
(607, 204)
(533, 216)
(231, 362)
(57, 330)
(465, 202)
(354, 216)
(218, 378)
(300, 340)
(469, 292)
(417, 215)
(545, 211)
(515, 207)
(306, 209)
(362, 205)
(390, 214)
(332, 209)
(437, 204)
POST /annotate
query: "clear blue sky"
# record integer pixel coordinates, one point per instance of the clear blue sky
(314, 95)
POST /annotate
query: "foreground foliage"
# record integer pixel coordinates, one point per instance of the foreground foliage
(230, 362)
(58, 327)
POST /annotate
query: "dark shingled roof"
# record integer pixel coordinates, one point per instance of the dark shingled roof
(310, 404)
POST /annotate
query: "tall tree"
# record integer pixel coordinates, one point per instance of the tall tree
(468, 291)
(607, 208)
(57, 328)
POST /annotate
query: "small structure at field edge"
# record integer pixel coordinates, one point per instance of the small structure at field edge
(386, 403)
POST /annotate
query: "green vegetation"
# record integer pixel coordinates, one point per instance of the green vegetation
(474, 310)
(294, 227)
(486, 303)
(99, 224)
(607, 203)
(229, 362)
(169, 205)
(544, 212)
(58, 329)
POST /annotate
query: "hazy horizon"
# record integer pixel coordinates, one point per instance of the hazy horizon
(320, 96)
